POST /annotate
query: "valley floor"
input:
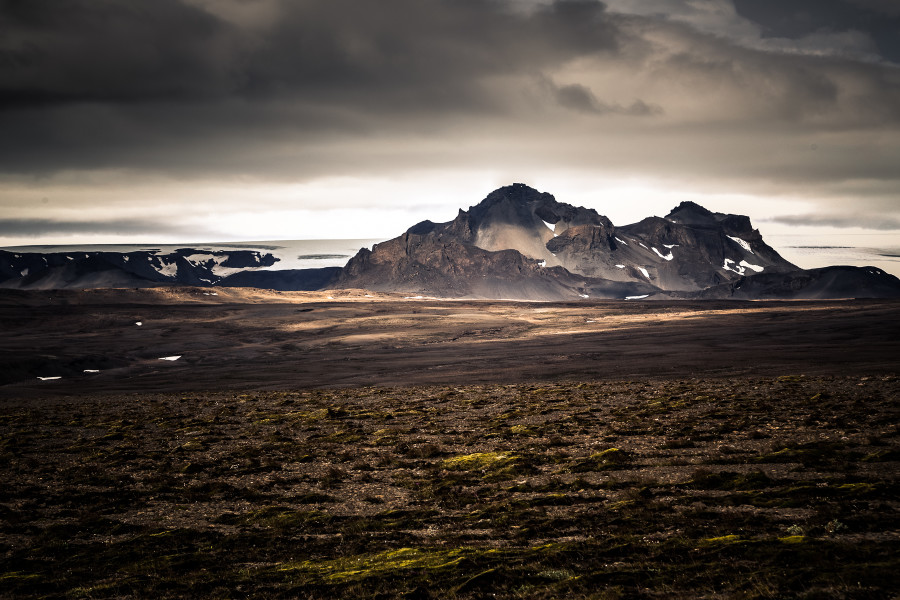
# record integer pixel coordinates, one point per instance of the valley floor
(244, 339)
(384, 447)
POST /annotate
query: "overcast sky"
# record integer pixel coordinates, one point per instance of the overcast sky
(201, 120)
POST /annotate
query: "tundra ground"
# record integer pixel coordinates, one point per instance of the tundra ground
(688, 488)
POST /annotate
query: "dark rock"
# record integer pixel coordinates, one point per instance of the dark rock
(827, 283)
(288, 280)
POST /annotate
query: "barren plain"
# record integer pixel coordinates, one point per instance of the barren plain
(376, 446)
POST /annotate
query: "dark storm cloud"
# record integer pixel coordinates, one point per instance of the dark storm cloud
(880, 223)
(164, 84)
(55, 51)
(41, 227)
(582, 99)
(293, 90)
(799, 18)
(62, 51)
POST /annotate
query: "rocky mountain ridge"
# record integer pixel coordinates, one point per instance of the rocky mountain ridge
(522, 243)
(145, 268)
(517, 243)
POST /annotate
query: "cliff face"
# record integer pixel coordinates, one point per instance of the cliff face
(438, 264)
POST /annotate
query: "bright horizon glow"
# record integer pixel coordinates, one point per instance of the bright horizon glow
(383, 208)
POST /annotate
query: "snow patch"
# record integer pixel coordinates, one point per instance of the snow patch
(664, 257)
(736, 268)
(171, 358)
(543, 263)
(92, 370)
(636, 297)
(551, 227)
(200, 258)
(670, 246)
(407, 297)
(24, 272)
(756, 268)
(620, 266)
(49, 378)
(138, 323)
(642, 244)
(584, 295)
(621, 241)
(168, 269)
(742, 243)
(644, 271)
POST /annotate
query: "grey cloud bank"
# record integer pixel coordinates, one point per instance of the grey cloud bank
(793, 101)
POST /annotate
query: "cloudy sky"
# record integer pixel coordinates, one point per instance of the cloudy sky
(201, 120)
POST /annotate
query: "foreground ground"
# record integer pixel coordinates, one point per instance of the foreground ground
(386, 447)
(750, 488)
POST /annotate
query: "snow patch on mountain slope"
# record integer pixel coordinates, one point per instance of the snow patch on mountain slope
(742, 243)
(732, 266)
(168, 269)
(756, 268)
(551, 227)
(668, 256)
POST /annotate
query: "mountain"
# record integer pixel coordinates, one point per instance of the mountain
(827, 283)
(517, 243)
(522, 243)
(497, 249)
(145, 268)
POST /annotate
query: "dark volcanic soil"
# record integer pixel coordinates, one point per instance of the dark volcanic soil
(382, 447)
(257, 340)
(751, 488)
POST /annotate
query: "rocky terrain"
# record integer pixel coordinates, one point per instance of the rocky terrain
(518, 243)
(219, 442)
(749, 488)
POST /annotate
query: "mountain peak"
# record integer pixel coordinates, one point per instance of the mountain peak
(691, 207)
(517, 193)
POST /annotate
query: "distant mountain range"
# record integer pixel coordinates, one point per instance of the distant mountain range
(517, 243)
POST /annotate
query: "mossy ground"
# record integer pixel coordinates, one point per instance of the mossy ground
(752, 488)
